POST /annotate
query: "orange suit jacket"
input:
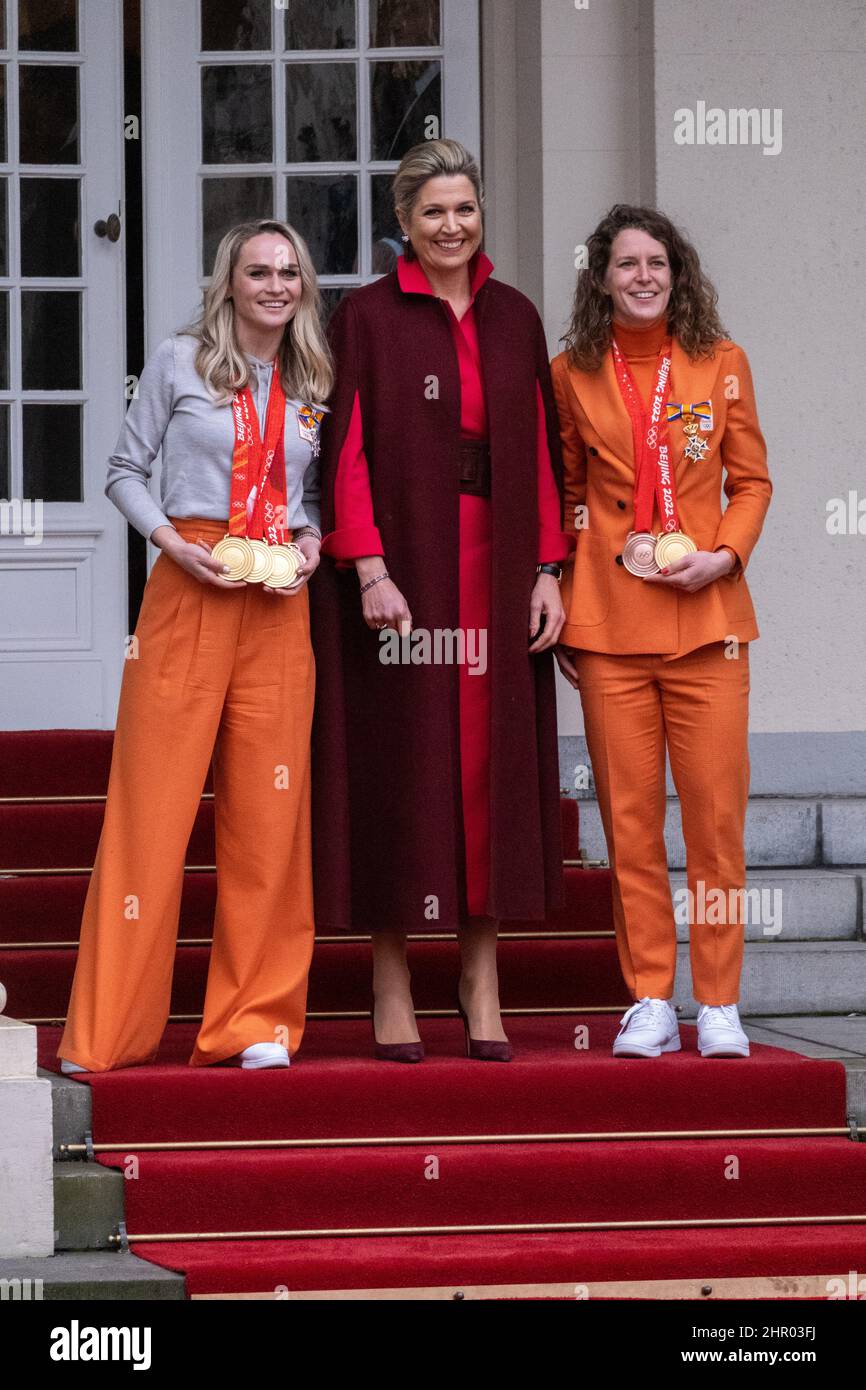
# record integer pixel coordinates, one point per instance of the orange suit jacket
(608, 609)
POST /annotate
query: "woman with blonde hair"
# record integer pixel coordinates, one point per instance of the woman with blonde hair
(436, 752)
(220, 669)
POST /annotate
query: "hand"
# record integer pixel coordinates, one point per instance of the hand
(545, 600)
(384, 606)
(311, 549)
(565, 662)
(195, 558)
(695, 571)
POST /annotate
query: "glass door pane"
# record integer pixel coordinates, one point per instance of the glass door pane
(41, 286)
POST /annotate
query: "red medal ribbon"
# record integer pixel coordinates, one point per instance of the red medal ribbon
(653, 472)
(257, 506)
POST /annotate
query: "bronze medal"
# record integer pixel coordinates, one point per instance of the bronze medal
(638, 554)
(234, 551)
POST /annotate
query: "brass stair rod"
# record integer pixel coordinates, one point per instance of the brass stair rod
(497, 1228)
(348, 940)
(407, 1140)
(347, 1015)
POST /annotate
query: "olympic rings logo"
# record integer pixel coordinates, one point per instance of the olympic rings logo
(652, 437)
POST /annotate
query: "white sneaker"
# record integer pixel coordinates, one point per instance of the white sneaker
(649, 1028)
(719, 1032)
(68, 1068)
(262, 1055)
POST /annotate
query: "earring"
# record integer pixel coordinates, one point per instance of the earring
(405, 236)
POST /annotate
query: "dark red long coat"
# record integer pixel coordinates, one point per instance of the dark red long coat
(387, 808)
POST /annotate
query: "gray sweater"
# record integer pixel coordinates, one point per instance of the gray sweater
(174, 411)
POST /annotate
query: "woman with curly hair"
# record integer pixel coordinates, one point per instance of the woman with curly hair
(657, 416)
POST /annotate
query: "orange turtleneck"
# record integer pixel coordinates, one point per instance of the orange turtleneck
(640, 347)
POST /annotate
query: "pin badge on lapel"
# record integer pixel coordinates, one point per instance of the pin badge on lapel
(309, 421)
(696, 417)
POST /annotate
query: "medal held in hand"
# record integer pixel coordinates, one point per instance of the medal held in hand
(235, 552)
(638, 554)
(255, 548)
(671, 546)
(645, 553)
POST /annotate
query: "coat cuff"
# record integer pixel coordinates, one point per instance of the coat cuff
(351, 542)
(740, 553)
(554, 546)
(737, 571)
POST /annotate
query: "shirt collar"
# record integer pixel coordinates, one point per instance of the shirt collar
(412, 277)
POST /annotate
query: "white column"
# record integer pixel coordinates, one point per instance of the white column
(26, 1172)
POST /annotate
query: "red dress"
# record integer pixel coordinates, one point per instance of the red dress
(356, 534)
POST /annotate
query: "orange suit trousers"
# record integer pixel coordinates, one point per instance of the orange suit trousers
(228, 677)
(696, 707)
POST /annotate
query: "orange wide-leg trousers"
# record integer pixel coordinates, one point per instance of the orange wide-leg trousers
(696, 706)
(228, 676)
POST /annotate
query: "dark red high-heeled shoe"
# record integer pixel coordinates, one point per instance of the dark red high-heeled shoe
(481, 1049)
(394, 1052)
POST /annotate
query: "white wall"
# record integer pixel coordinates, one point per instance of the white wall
(781, 236)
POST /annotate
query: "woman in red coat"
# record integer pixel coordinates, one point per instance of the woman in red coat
(436, 800)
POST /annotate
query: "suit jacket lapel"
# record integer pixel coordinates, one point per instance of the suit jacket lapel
(599, 395)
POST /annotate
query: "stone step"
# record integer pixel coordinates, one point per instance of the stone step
(832, 1037)
(781, 832)
(791, 977)
(89, 1276)
(787, 904)
(71, 1108)
(88, 1205)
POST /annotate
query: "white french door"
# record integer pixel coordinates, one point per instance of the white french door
(62, 544)
(296, 109)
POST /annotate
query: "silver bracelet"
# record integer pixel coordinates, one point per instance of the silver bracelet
(306, 531)
(371, 582)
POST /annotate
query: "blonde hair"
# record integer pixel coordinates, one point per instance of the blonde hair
(305, 363)
(431, 159)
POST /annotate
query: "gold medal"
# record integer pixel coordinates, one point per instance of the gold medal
(262, 562)
(671, 546)
(234, 551)
(638, 554)
(286, 560)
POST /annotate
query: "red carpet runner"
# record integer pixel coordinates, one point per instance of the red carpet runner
(335, 1090)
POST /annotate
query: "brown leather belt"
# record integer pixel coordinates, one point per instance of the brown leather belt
(475, 467)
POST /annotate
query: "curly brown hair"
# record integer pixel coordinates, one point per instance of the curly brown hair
(691, 309)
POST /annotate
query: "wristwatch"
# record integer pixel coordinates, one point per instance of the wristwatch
(555, 570)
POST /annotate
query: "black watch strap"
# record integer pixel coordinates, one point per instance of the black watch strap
(555, 570)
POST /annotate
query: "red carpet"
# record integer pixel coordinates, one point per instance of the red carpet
(411, 1262)
(335, 1089)
(490, 1184)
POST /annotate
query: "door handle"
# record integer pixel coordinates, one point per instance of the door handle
(109, 228)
